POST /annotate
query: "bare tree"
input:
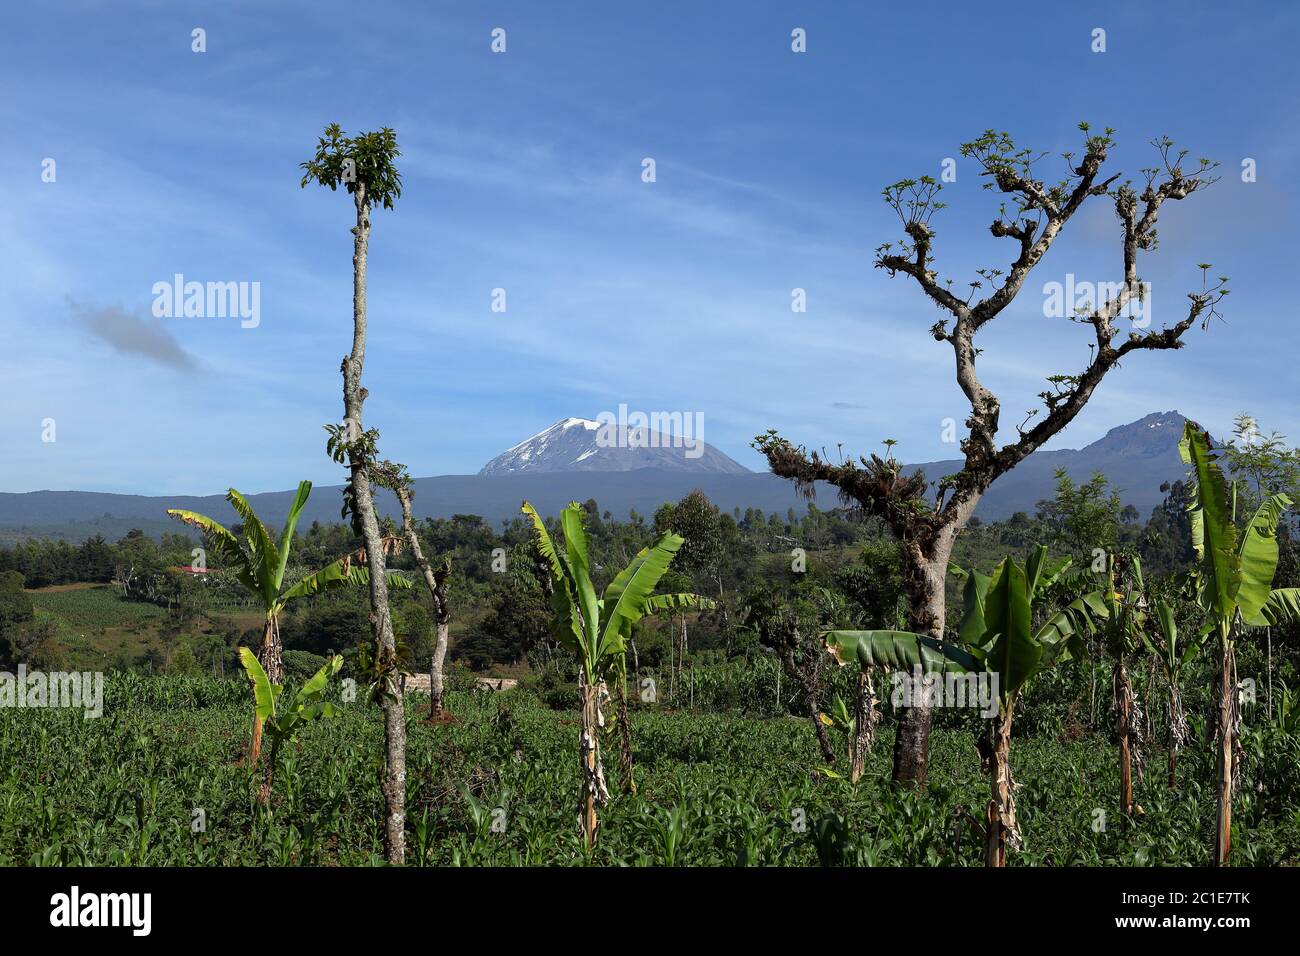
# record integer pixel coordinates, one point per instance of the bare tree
(364, 165)
(1031, 214)
(435, 579)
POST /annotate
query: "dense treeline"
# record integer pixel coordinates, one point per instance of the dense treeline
(835, 569)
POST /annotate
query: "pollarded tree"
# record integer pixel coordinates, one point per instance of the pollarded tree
(365, 166)
(436, 579)
(1032, 215)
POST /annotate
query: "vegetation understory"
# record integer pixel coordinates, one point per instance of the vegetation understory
(496, 788)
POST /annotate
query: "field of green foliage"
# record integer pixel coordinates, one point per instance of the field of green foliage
(157, 781)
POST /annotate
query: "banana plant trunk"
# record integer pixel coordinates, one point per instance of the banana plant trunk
(594, 791)
(268, 773)
(1001, 823)
(1123, 695)
(393, 782)
(1175, 732)
(271, 657)
(625, 765)
(864, 726)
(1226, 756)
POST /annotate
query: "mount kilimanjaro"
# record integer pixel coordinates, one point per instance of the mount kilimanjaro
(580, 444)
(563, 463)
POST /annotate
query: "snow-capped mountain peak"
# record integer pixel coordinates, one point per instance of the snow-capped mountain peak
(581, 444)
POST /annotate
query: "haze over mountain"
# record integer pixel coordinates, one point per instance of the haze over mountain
(1137, 458)
(580, 444)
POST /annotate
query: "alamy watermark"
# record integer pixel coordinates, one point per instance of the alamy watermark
(179, 299)
(978, 690)
(1072, 298)
(651, 430)
(133, 911)
(57, 689)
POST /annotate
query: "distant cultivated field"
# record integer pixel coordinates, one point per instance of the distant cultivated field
(98, 607)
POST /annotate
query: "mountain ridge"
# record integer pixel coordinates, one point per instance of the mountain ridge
(1137, 458)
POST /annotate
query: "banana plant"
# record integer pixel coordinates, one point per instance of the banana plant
(997, 642)
(862, 718)
(597, 629)
(1014, 652)
(1234, 579)
(1164, 646)
(283, 723)
(1287, 718)
(259, 565)
(1123, 626)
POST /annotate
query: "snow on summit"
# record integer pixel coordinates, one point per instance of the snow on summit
(582, 444)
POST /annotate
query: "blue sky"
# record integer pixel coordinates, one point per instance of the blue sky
(523, 172)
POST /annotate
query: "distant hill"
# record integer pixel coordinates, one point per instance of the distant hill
(580, 445)
(1137, 458)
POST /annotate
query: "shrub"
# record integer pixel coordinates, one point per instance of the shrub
(301, 665)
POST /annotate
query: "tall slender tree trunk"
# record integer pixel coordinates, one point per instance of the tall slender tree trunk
(1268, 638)
(1092, 687)
(437, 690)
(381, 621)
(1226, 755)
(437, 581)
(864, 726)
(1001, 826)
(594, 792)
(672, 661)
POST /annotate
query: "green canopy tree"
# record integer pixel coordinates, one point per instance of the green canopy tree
(365, 165)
